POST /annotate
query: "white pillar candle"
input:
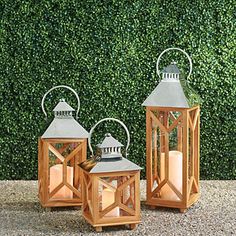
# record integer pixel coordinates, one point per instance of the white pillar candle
(56, 175)
(108, 198)
(175, 174)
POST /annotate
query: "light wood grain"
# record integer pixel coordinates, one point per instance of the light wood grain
(73, 159)
(188, 129)
(129, 214)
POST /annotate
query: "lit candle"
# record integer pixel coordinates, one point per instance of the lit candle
(56, 175)
(175, 174)
(108, 198)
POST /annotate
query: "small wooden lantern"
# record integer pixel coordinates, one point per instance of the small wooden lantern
(111, 193)
(172, 141)
(60, 149)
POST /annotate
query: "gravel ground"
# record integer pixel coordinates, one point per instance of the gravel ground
(214, 214)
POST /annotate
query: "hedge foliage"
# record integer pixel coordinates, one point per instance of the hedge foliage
(107, 51)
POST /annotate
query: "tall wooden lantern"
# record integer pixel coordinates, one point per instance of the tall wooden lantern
(172, 140)
(60, 149)
(111, 193)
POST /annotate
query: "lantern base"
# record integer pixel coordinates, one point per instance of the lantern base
(98, 229)
(153, 207)
(129, 226)
(132, 226)
(183, 210)
(156, 202)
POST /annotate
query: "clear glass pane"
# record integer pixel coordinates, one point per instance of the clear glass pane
(59, 166)
(108, 192)
(56, 177)
(167, 171)
(107, 189)
(155, 153)
(192, 151)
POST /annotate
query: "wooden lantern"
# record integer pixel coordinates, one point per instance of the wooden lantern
(60, 149)
(111, 193)
(172, 141)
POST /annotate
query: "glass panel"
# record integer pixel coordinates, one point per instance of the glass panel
(155, 155)
(156, 133)
(56, 178)
(108, 192)
(175, 163)
(167, 170)
(193, 154)
(107, 188)
(87, 196)
(62, 163)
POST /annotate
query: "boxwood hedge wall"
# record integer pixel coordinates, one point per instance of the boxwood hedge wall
(106, 51)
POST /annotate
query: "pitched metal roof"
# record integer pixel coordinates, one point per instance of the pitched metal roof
(172, 68)
(63, 106)
(109, 141)
(167, 94)
(65, 128)
(111, 162)
(114, 165)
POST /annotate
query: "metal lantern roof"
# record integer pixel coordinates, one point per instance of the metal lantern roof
(64, 125)
(111, 159)
(172, 68)
(109, 141)
(114, 165)
(63, 106)
(171, 91)
(110, 147)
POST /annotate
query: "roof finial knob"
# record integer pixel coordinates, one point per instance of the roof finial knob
(174, 63)
(107, 135)
(62, 100)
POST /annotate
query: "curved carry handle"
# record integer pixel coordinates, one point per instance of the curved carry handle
(60, 86)
(178, 49)
(106, 119)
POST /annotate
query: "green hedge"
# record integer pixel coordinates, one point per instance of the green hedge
(107, 50)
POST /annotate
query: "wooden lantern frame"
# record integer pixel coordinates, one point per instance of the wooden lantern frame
(77, 155)
(92, 210)
(188, 135)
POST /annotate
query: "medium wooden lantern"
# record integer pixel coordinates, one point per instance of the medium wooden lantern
(60, 149)
(172, 141)
(111, 192)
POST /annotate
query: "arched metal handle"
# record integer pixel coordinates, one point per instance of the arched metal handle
(61, 86)
(112, 119)
(178, 49)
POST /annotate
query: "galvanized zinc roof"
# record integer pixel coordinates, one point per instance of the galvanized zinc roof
(169, 92)
(109, 141)
(65, 126)
(63, 106)
(115, 165)
(112, 161)
(172, 68)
